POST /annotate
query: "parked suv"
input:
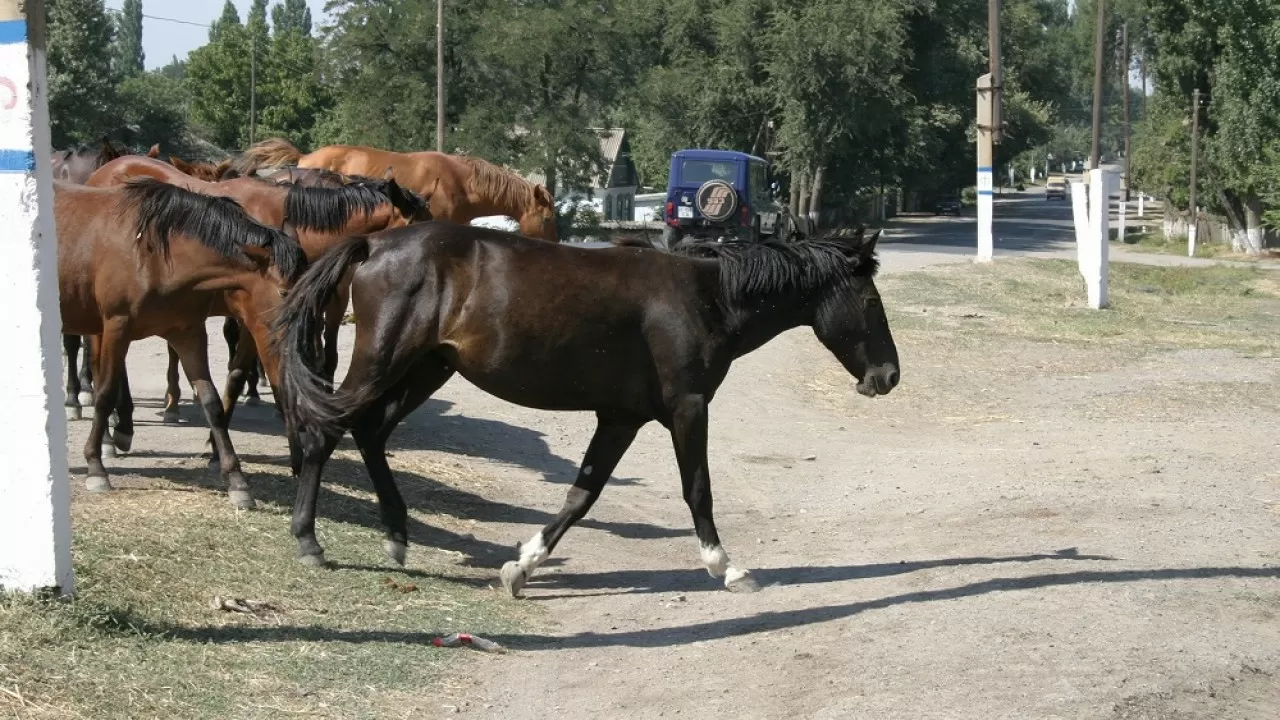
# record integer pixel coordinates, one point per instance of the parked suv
(718, 194)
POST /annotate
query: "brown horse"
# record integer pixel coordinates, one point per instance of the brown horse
(633, 335)
(460, 188)
(150, 259)
(321, 217)
(75, 166)
(207, 171)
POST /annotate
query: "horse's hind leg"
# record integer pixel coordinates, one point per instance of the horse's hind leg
(371, 432)
(245, 357)
(689, 435)
(235, 334)
(86, 371)
(613, 437)
(173, 389)
(333, 315)
(122, 433)
(192, 346)
(109, 353)
(71, 348)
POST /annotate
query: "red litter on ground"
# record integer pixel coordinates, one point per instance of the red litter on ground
(475, 641)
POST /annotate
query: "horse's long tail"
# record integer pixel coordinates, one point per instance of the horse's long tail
(269, 153)
(308, 403)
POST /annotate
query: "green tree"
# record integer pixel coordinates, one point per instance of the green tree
(291, 16)
(291, 94)
(153, 107)
(81, 82)
(130, 60)
(217, 78)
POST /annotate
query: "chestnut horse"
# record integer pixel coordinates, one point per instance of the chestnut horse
(75, 166)
(150, 259)
(631, 334)
(207, 171)
(460, 188)
(321, 217)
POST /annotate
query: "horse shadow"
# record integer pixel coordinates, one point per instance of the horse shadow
(729, 627)
(431, 428)
(419, 492)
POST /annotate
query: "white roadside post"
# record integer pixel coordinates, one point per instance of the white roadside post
(1090, 211)
(35, 519)
(986, 184)
(1142, 204)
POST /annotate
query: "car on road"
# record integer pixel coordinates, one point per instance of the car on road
(947, 204)
(723, 194)
(1055, 187)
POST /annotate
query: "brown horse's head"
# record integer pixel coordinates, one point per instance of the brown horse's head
(539, 219)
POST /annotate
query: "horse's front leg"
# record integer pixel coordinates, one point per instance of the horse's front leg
(109, 350)
(86, 370)
(689, 434)
(173, 389)
(71, 348)
(613, 437)
(192, 346)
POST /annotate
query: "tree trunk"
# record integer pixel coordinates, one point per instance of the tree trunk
(1253, 224)
(804, 194)
(815, 197)
(795, 194)
(550, 173)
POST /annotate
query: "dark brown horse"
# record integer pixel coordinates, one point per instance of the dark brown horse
(321, 216)
(460, 188)
(628, 333)
(150, 259)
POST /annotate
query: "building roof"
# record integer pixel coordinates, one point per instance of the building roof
(707, 154)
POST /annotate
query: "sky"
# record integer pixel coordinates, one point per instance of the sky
(163, 39)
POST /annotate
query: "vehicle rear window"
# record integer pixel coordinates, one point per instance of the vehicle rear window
(696, 172)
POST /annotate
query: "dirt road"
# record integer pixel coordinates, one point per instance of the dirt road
(1046, 543)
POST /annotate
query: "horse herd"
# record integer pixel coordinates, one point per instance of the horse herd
(281, 242)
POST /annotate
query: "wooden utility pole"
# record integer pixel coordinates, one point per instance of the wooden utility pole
(1124, 80)
(993, 66)
(1195, 157)
(253, 86)
(440, 75)
(1095, 153)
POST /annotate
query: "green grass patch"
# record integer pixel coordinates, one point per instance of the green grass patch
(1157, 243)
(1044, 301)
(142, 638)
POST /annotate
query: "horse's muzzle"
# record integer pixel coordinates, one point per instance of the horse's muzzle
(879, 381)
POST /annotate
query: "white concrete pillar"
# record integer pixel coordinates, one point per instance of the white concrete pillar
(1124, 217)
(1095, 271)
(35, 519)
(1142, 205)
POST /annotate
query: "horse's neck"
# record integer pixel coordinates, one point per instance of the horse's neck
(482, 206)
(752, 325)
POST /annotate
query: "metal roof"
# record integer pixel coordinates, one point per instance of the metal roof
(707, 154)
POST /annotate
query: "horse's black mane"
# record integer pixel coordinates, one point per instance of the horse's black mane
(329, 209)
(752, 269)
(218, 223)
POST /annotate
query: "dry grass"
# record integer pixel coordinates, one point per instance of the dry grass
(142, 639)
(1157, 243)
(967, 334)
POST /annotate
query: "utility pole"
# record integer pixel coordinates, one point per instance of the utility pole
(35, 517)
(988, 126)
(1124, 80)
(253, 86)
(1195, 156)
(440, 75)
(1095, 154)
(994, 67)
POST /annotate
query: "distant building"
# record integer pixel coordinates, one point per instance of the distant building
(612, 193)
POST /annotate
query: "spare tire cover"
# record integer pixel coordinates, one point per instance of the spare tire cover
(716, 200)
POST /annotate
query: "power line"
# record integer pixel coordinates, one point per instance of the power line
(175, 20)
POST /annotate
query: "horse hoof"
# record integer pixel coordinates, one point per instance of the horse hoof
(108, 450)
(74, 413)
(170, 417)
(396, 550)
(241, 499)
(213, 461)
(122, 441)
(85, 398)
(312, 560)
(740, 581)
(97, 483)
(513, 577)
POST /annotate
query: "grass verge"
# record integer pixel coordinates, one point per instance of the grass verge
(1157, 243)
(142, 638)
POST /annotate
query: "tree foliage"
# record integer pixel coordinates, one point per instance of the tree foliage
(130, 60)
(82, 86)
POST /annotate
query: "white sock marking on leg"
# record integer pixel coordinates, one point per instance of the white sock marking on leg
(716, 559)
(533, 553)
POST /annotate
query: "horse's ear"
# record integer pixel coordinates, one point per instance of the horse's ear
(154, 152)
(544, 195)
(179, 163)
(389, 174)
(868, 245)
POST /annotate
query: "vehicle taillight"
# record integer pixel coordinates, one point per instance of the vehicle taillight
(671, 209)
(746, 216)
